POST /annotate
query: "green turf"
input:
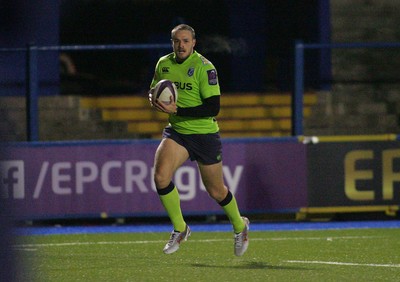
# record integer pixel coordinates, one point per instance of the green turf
(329, 255)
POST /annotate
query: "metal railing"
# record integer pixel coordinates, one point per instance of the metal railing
(298, 91)
(31, 79)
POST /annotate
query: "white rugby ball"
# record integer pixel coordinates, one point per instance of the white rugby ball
(163, 91)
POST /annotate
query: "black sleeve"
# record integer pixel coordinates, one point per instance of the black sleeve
(209, 108)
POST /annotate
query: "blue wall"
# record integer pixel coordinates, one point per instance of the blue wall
(22, 23)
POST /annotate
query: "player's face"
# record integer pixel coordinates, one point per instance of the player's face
(183, 44)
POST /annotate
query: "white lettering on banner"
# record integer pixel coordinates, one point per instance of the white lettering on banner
(57, 178)
(233, 180)
(106, 175)
(113, 177)
(187, 189)
(39, 184)
(153, 185)
(12, 179)
(80, 176)
(136, 178)
(201, 185)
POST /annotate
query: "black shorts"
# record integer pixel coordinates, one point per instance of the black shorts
(204, 148)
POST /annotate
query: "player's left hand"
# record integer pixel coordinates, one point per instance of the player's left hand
(170, 108)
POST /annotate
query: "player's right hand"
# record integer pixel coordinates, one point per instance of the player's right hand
(153, 102)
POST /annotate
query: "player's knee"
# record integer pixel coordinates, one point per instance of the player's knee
(161, 179)
(216, 193)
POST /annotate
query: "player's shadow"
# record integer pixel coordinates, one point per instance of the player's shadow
(248, 265)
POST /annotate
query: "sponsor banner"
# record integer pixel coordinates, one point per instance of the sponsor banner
(82, 179)
(353, 173)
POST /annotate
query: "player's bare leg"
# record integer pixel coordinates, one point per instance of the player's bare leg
(212, 176)
(169, 157)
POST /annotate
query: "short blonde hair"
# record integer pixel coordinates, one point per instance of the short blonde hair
(183, 27)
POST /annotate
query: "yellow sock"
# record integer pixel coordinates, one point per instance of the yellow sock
(172, 205)
(232, 211)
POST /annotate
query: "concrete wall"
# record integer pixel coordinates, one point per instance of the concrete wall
(365, 97)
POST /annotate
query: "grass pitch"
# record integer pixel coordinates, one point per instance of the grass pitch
(320, 255)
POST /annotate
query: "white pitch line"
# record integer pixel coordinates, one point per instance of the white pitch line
(86, 244)
(319, 238)
(342, 263)
(33, 245)
(25, 249)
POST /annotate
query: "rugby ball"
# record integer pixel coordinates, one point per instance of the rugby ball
(163, 91)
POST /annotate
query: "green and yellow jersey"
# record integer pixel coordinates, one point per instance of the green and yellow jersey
(196, 79)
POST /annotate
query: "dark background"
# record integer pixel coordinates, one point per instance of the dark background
(250, 42)
(326, 173)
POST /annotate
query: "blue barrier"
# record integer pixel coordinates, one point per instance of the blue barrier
(32, 90)
(300, 47)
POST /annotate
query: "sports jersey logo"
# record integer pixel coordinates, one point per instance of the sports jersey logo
(212, 77)
(183, 86)
(190, 72)
(165, 69)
